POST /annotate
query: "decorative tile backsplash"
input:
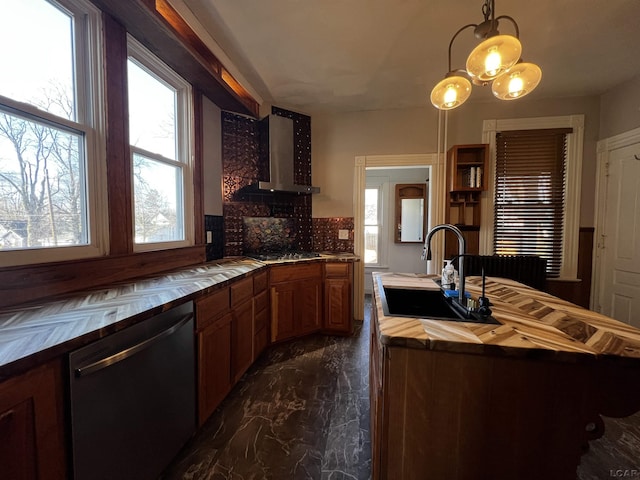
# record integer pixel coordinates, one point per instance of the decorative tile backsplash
(326, 232)
(268, 234)
(271, 221)
(215, 225)
(242, 167)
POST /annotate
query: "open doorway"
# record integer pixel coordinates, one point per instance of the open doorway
(432, 164)
(384, 250)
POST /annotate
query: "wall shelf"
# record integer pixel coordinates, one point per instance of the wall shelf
(466, 179)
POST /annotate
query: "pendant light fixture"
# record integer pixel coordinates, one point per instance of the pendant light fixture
(496, 60)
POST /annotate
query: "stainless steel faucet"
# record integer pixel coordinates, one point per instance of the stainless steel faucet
(462, 247)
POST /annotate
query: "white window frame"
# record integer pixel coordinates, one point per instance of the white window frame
(89, 84)
(184, 138)
(383, 189)
(571, 226)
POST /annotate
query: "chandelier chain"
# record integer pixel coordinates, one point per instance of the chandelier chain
(486, 9)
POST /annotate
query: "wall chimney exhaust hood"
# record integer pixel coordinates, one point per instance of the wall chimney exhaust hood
(277, 149)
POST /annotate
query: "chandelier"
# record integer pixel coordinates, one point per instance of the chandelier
(496, 61)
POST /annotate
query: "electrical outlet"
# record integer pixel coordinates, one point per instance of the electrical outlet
(209, 236)
(343, 234)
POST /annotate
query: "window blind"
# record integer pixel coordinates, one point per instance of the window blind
(530, 194)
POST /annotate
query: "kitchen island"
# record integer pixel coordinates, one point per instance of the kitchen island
(518, 399)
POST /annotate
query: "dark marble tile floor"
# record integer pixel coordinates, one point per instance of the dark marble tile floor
(616, 454)
(302, 412)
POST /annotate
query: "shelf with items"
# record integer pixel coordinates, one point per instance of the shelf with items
(466, 177)
(467, 167)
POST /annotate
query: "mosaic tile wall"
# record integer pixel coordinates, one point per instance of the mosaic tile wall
(242, 167)
(325, 235)
(268, 234)
(214, 224)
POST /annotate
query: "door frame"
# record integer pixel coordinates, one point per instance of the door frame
(436, 209)
(604, 149)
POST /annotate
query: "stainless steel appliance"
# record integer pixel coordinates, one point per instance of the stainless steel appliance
(133, 398)
(277, 151)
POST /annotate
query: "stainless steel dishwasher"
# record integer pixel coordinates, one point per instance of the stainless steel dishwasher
(133, 398)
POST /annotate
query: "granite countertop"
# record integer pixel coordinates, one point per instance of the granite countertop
(532, 324)
(34, 333)
(37, 332)
(322, 257)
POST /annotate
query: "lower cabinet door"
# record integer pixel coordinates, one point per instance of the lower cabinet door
(18, 453)
(309, 306)
(283, 325)
(242, 351)
(214, 355)
(261, 332)
(31, 425)
(337, 312)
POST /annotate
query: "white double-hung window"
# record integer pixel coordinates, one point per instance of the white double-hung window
(160, 112)
(51, 132)
(374, 247)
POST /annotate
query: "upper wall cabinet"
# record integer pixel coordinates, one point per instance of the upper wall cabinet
(411, 203)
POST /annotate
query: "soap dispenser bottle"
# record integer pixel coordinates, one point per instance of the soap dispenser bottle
(448, 276)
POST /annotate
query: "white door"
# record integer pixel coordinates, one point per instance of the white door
(620, 285)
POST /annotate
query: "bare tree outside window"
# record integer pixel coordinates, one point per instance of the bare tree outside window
(41, 185)
(42, 170)
(157, 172)
(156, 218)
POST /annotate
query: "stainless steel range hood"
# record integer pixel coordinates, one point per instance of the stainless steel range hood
(278, 151)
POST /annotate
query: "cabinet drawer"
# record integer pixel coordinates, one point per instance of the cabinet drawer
(260, 281)
(241, 291)
(261, 301)
(286, 273)
(211, 307)
(337, 270)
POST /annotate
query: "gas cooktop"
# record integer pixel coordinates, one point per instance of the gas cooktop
(283, 255)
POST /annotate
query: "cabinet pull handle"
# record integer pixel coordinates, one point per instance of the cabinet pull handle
(6, 417)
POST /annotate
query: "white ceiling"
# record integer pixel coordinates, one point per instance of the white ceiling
(349, 55)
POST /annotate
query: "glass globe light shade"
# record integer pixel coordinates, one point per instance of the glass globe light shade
(450, 92)
(517, 82)
(494, 56)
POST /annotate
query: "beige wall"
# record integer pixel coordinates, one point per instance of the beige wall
(339, 138)
(212, 157)
(620, 109)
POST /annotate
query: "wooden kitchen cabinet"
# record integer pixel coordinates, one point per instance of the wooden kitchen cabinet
(260, 313)
(376, 402)
(338, 298)
(242, 331)
(31, 425)
(225, 328)
(213, 333)
(296, 300)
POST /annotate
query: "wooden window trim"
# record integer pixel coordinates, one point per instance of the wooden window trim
(29, 283)
(575, 143)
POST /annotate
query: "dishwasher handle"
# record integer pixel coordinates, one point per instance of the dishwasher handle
(124, 354)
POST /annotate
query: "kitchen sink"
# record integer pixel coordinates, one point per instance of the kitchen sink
(430, 304)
